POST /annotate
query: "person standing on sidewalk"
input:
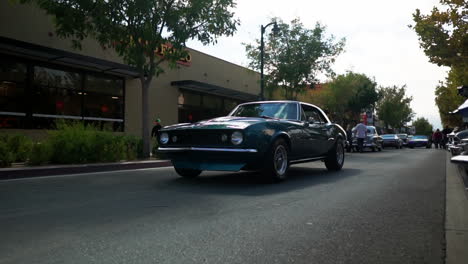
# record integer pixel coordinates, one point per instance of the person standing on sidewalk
(157, 126)
(445, 133)
(437, 138)
(360, 132)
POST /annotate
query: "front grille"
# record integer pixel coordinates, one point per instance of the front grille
(199, 138)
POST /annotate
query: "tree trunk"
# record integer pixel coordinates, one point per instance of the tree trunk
(145, 117)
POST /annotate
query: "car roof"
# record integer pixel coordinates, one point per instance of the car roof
(286, 101)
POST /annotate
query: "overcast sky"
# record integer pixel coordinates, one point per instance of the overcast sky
(378, 41)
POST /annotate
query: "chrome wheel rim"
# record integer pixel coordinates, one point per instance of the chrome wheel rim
(339, 153)
(280, 160)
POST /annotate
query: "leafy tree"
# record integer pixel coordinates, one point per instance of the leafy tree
(394, 108)
(443, 33)
(422, 126)
(295, 56)
(136, 29)
(448, 100)
(347, 95)
(443, 37)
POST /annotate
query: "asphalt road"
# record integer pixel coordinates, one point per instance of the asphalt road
(383, 207)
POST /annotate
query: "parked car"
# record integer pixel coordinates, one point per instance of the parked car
(419, 141)
(458, 142)
(268, 136)
(404, 139)
(392, 140)
(372, 141)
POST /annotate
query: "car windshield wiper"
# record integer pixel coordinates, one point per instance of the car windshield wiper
(268, 117)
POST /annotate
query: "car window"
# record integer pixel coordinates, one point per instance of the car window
(272, 110)
(311, 115)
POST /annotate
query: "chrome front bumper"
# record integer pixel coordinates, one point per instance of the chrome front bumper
(182, 149)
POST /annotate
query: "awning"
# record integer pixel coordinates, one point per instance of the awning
(214, 90)
(33, 51)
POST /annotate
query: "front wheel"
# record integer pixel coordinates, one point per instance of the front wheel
(277, 161)
(188, 173)
(335, 158)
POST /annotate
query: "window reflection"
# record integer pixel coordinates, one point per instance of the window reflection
(36, 96)
(56, 92)
(12, 93)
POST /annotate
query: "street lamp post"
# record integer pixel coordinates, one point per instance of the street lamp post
(262, 51)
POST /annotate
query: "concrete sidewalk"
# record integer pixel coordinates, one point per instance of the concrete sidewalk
(38, 171)
(456, 215)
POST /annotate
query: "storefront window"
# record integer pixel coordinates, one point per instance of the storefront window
(194, 107)
(56, 93)
(33, 95)
(101, 85)
(12, 92)
(188, 98)
(104, 102)
(212, 102)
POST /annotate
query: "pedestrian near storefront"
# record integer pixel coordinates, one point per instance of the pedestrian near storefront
(360, 132)
(445, 133)
(157, 126)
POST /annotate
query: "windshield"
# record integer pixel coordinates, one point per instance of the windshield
(370, 130)
(267, 110)
(402, 136)
(388, 136)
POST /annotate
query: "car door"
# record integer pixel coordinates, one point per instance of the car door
(316, 131)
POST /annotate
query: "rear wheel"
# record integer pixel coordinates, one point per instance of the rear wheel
(188, 173)
(335, 158)
(277, 161)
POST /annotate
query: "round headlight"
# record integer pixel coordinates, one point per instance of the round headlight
(164, 138)
(237, 138)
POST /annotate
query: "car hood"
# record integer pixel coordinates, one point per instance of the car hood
(227, 122)
(418, 140)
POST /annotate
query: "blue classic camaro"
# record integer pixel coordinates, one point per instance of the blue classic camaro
(267, 136)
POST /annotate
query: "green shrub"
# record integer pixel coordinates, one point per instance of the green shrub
(40, 153)
(6, 156)
(133, 147)
(72, 142)
(21, 146)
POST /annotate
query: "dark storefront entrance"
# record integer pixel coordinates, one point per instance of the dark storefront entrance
(200, 101)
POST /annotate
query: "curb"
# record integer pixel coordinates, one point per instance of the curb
(41, 171)
(456, 214)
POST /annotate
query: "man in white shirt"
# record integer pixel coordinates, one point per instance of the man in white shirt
(360, 132)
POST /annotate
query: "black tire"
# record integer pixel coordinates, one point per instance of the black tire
(379, 148)
(276, 163)
(373, 149)
(335, 158)
(188, 173)
(411, 147)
